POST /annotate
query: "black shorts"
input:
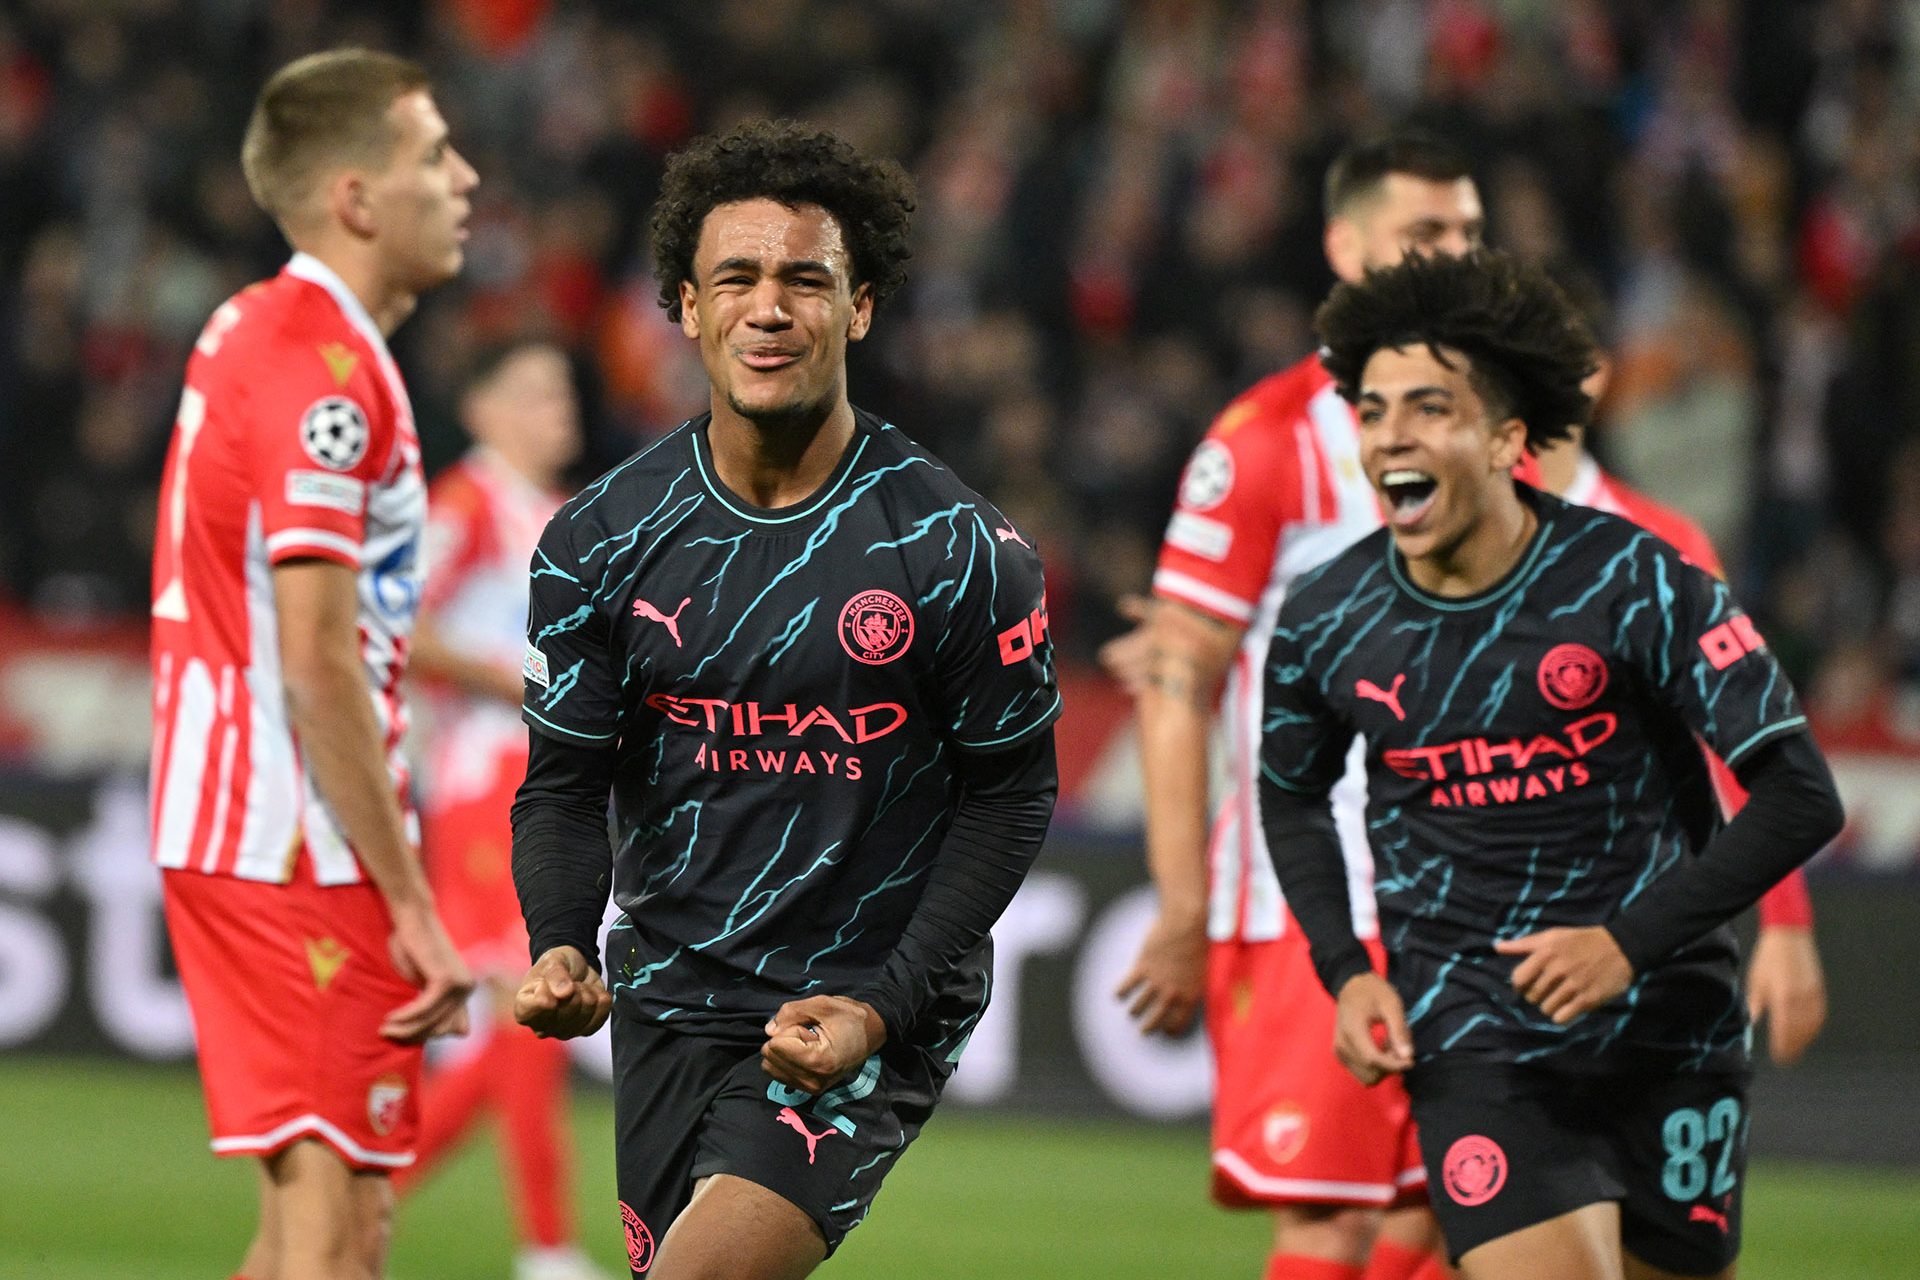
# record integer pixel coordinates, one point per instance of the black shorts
(1510, 1146)
(686, 1106)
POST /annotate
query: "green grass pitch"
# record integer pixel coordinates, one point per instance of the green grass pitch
(105, 1175)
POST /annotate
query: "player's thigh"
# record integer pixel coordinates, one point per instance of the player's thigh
(1639, 1270)
(664, 1082)
(1291, 1126)
(1683, 1145)
(1509, 1148)
(737, 1230)
(826, 1155)
(1583, 1244)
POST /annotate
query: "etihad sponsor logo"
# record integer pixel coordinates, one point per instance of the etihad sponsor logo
(794, 760)
(1731, 641)
(1463, 767)
(1018, 641)
(757, 719)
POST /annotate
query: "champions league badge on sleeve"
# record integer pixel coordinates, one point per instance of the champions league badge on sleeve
(876, 627)
(334, 433)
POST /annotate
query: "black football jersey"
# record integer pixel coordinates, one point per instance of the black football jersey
(787, 691)
(1533, 759)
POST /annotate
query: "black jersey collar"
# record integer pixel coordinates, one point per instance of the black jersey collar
(776, 519)
(1545, 508)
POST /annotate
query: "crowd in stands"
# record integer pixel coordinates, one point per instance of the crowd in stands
(1118, 228)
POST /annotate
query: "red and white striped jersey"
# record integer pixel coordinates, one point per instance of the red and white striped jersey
(294, 440)
(483, 522)
(1275, 489)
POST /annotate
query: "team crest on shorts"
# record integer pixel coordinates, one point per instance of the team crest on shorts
(1284, 1132)
(876, 627)
(1572, 676)
(1474, 1170)
(384, 1101)
(639, 1239)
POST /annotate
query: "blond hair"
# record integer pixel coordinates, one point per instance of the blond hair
(318, 113)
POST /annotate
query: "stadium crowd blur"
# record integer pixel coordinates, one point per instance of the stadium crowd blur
(1118, 228)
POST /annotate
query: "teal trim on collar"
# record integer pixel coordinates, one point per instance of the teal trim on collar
(756, 515)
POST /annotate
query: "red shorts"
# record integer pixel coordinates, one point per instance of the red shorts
(468, 847)
(1290, 1124)
(288, 984)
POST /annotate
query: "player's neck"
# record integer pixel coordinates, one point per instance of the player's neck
(386, 302)
(775, 465)
(1486, 553)
(1559, 464)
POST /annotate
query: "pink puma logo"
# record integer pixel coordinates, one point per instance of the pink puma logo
(641, 609)
(1008, 535)
(1701, 1213)
(1390, 697)
(791, 1118)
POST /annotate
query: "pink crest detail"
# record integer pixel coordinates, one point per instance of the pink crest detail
(1474, 1170)
(876, 627)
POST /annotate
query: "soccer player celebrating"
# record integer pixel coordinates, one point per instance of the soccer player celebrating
(1275, 490)
(813, 670)
(286, 572)
(484, 515)
(1531, 681)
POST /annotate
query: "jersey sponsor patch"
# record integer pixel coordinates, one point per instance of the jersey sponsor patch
(325, 489)
(1209, 477)
(1199, 535)
(334, 432)
(533, 665)
(1731, 641)
(876, 627)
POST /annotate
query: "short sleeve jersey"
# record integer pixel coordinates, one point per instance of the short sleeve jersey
(1532, 761)
(1275, 489)
(294, 440)
(787, 692)
(483, 521)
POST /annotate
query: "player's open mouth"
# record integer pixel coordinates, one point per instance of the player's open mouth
(1409, 495)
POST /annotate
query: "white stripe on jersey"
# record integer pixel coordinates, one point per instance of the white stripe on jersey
(314, 538)
(193, 706)
(1174, 583)
(268, 835)
(1244, 899)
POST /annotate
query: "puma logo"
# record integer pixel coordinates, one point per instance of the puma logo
(1702, 1213)
(1008, 535)
(791, 1118)
(641, 609)
(1390, 698)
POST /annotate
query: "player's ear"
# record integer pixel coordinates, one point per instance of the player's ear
(1342, 244)
(689, 318)
(1509, 443)
(862, 313)
(350, 201)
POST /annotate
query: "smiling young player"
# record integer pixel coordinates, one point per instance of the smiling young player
(1531, 680)
(813, 669)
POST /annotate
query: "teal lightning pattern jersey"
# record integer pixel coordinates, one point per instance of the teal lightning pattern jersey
(786, 691)
(1533, 760)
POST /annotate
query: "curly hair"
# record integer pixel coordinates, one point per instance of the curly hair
(1527, 347)
(793, 164)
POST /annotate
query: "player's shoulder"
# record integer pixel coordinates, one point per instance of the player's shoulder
(1671, 524)
(635, 486)
(1328, 585)
(294, 328)
(910, 477)
(1579, 534)
(1275, 403)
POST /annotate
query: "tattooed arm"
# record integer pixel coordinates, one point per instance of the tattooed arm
(1188, 655)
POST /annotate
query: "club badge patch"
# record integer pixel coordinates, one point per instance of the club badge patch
(1572, 676)
(639, 1240)
(876, 627)
(1284, 1132)
(1209, 477)
(334, 433)
(385, 1103)
(1474, 1170)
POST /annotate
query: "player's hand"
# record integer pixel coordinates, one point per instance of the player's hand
(562, 996)
(814, 1044)
(1125, 656)
(1785, 985)
(425, 957)
(1168, 977)
(1370, 1035)
(1568, 972)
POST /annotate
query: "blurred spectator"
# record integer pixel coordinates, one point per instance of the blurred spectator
(1117, 221)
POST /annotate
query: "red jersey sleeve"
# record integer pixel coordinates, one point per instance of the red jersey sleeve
(1241, 487)
(320, 431)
